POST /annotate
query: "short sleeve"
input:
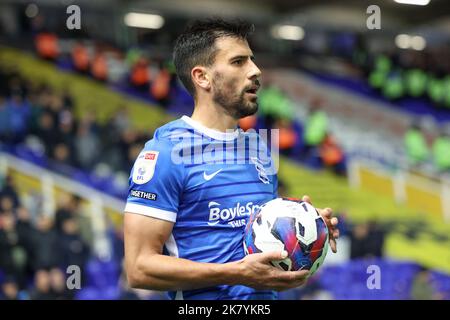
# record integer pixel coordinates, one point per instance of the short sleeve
(155, 182)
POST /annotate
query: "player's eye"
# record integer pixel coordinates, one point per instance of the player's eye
(238, 62)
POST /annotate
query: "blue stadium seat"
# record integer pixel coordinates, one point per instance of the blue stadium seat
(102, 274)
(110, 293)
(88, 293)
(348, 281)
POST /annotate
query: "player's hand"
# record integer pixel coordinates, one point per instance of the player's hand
(332, 222)
(256, 271)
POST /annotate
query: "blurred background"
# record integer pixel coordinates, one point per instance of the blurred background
(364, 120)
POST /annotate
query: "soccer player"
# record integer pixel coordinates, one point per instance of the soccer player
(186, 211)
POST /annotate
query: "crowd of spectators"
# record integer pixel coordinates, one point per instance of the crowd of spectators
(421, 150)
(407, 73)
(36, 248)
(43, 120)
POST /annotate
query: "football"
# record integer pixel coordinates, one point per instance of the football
(292, 225)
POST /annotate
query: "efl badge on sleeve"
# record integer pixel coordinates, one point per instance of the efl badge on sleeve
(144, 168)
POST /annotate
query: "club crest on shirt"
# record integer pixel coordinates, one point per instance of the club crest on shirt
(262, 173)
(144, 168)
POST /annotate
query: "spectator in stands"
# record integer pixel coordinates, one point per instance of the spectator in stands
(140, 74)
(67, 99)
(63, 212)
(132, 56)
(46, 244)
(288, 138)
(436, 90)
(63, 159)
(25, 229)
(9, 189)
(17, 86)
(160, 87)
(19, 112)
(120, 122)
(5, 131)
(416, 82)
(359, 238)
(66, 129)
(47, 45)
(274, 104)
(26, 251)
(80, 57)
(110, 139)
(13, 256)
(58, 285)
(34, 98)
(332, 155)
(47, 133)
(87, 147)
(8, 239)
(416, 145)
(42, 288)
(71, 208)
(72, 247)
(367, 240)
(10, 289)
(6, 204)
(441, 152)
(376, 239)
(315, 131)
(4, 76)
(393, 86)
(99, 67)
(55, 106)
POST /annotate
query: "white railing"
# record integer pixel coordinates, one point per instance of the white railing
(402, 178)
(49, 181)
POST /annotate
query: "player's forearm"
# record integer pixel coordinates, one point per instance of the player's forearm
(159, 272)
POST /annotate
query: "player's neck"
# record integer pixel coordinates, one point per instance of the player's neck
(213, 117)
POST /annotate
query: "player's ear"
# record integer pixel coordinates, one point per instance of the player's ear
(200, 77)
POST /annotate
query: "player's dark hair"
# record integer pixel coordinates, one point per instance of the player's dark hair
(196, 45)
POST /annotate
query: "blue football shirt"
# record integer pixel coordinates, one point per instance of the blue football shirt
(207, 183)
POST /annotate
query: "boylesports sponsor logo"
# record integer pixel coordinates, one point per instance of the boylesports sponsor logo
(234, 216)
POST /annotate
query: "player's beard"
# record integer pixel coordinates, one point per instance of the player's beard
(233, 102)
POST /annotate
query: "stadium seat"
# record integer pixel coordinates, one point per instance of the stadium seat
(88, 293)
(102, 274)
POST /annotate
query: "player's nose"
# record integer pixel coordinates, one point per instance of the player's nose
(254, 72)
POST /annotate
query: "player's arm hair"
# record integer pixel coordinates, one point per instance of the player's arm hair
(147, 268)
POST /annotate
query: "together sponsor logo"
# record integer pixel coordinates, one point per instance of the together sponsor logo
(234, 216)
